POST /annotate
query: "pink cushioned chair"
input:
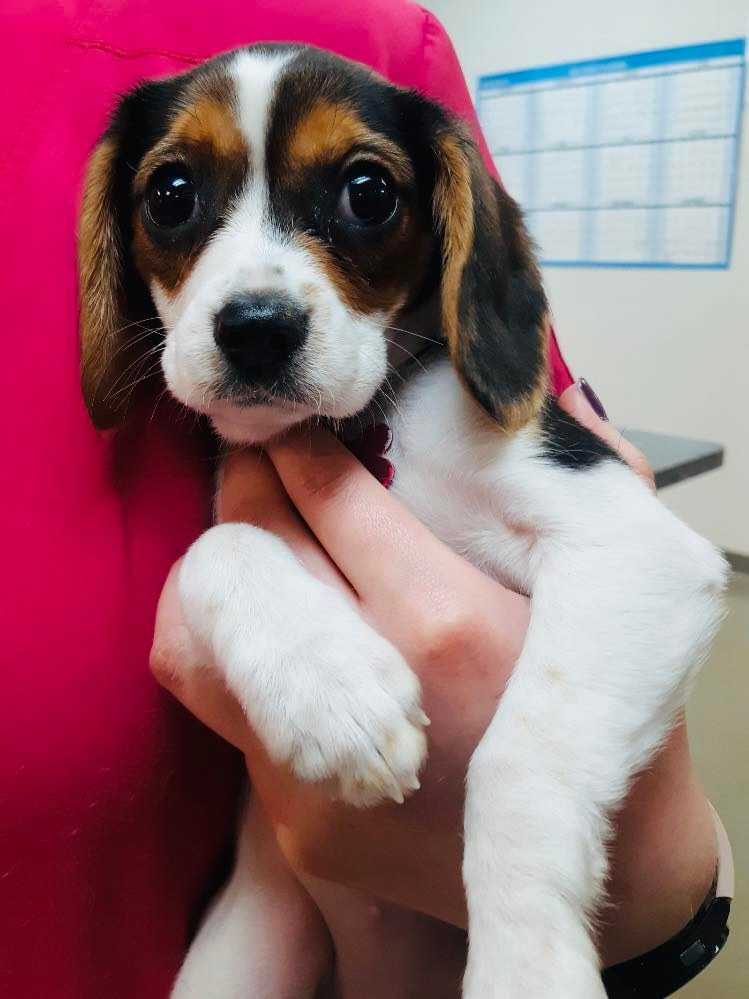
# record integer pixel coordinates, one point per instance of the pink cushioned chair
(113, 803)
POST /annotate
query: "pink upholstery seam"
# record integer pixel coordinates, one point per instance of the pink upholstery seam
(115, 50)
(426, 30)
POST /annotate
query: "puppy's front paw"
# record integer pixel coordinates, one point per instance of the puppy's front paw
(329, 697)
(353, 718)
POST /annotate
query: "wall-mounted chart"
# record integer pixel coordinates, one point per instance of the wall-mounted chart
(625, 161)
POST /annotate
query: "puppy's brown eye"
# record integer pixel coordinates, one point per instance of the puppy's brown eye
(368, 199)
(171, 198)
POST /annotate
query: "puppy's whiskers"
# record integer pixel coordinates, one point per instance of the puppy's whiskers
(399, 346)
(145, 335)
(142, 377)
(391, 398)
(164, 391)
(138, 363)
(394, 371)
(419, 336)
(376, 402)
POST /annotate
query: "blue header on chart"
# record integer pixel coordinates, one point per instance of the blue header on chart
(734, 48)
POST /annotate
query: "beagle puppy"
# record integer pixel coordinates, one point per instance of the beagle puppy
(285, 212)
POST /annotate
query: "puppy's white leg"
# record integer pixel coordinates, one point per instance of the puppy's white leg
(328, 696)
(621, 617)
(263, 938)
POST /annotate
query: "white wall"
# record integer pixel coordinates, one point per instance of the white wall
(666, 351)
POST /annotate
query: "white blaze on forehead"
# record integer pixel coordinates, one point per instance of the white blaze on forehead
(256, 75)
(246, 253)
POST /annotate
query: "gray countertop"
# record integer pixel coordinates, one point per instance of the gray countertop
(675, 459)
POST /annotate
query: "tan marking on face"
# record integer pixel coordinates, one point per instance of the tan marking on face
(394, 268)
(205, 136)
(210, 123)
(206, 126)
(379, 274)
(330, 132)
(346, 286)
(169, 266)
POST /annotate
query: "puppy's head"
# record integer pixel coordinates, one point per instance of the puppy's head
(260, 225)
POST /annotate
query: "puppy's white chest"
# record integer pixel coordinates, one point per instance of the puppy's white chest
(454, 472)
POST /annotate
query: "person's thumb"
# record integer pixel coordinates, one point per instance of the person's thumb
(581, 402)
(180, 666)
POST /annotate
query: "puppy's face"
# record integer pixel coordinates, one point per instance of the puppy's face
(282, 209)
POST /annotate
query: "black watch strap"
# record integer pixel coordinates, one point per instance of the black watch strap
(667, 968)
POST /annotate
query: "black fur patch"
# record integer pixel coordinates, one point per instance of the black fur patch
(566, 442)
(140, 120)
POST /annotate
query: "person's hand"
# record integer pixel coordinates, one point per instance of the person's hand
(575, 402)
(459, 630)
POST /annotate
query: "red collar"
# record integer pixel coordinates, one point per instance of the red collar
(370, 447)
(371, 444)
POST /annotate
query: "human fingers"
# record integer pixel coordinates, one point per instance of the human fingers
(251, 491)
(389, 557)
(582, 403)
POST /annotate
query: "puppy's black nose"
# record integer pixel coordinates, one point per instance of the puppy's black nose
(259, 335)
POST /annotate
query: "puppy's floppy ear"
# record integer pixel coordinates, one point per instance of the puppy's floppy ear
(113, 299)
(103, 310)
(494, 311)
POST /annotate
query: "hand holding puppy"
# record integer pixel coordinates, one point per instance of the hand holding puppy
(460, 631)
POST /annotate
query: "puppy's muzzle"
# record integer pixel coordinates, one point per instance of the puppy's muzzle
(259, 336)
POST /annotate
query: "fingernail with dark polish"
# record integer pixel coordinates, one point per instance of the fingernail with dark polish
(592, 398)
